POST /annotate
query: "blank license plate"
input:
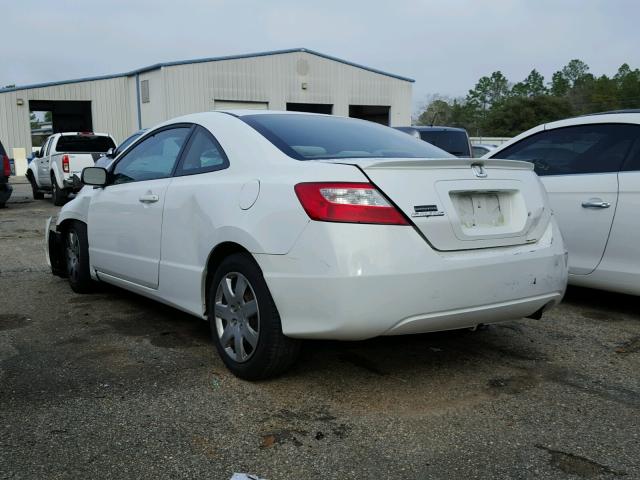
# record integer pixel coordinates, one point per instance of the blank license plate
(478, 209)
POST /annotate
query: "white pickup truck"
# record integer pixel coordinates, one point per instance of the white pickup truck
(57, 167)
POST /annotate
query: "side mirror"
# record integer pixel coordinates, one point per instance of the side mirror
(38, 154)
(96, 176)
(110, 153)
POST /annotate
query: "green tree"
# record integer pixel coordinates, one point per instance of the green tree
(517, 114)
(559, 85)
(574, 71)
(532, 86)
(33, 120)
(489, 91)
(438, 111)
(628, 87)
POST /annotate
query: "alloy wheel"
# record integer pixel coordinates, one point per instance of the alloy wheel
(237, 316)
(73, 254)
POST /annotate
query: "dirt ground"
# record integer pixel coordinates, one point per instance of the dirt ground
(111, 385)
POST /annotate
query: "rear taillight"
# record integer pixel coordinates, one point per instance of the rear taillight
(65, 163)
(6, 166)
(347, 202)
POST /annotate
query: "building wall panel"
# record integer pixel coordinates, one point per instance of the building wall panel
(187, 88)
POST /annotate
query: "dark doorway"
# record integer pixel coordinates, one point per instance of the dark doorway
(373, 113)
(310, 107)
(66, 115)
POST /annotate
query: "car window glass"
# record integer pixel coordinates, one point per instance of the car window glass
(633, 158)
(203, 154)
(84, 143)
(317, 137)
(452, 141)
(48, 146)
(479, 151)
(574, 150)
(122, 147)
(153, 158)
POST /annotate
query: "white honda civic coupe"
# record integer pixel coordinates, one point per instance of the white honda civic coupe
(280, 226)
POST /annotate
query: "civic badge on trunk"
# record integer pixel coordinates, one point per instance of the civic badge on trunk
(478, 170)
(426, 211)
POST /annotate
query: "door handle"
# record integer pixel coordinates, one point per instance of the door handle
(595, 203)
(149, 198)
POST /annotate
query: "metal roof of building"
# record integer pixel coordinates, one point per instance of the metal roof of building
(202, 60)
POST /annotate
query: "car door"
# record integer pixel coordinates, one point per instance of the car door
(579, 168)
(125, 217)
(621, 262)
(44, 177)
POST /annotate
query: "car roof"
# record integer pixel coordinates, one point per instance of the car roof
(603, 117)
(82, 134)
(245, 112)
(627, 110)
(436, 128)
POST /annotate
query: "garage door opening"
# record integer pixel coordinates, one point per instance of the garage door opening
(55, 116)
(373, 113)
(310, 107)
(41, 128)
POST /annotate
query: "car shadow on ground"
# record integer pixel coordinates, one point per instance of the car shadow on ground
(599, 299)
(395, 358)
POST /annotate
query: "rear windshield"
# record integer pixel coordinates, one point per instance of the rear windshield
(84, 144)
(316, 137)
(454, 142)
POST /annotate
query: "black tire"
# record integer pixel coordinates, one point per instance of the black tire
(60, 195)
(77, 257)
(274, 353)
(37, 194)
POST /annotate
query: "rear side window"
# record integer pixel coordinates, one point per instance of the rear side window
(316, 137)
(598, 148)
(454, 142)
(2, 151)
(84, 144)
(203, 154)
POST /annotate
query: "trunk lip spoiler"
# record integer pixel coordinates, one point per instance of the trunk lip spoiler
(432, 163)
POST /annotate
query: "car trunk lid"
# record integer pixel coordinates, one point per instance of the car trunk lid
(461, 204)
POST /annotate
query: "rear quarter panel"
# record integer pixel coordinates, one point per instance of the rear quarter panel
(204, 210)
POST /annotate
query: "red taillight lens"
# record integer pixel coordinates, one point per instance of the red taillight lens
(65, 163)
(347, 202)
(6, 166)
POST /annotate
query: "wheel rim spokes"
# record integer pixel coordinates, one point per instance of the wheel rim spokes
(237, 316)
(73, 253)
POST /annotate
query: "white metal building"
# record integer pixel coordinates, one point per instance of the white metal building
(295, 79)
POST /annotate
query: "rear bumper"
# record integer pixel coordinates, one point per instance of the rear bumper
(352, 282)
(5, 192)
(72, 183)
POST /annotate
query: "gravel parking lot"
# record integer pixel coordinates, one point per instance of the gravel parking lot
(111, 385)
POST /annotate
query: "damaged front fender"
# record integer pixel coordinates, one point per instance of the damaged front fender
(54, 249)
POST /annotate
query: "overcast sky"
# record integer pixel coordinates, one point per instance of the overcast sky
(444, 45)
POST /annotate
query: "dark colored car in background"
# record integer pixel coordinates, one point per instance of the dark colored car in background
(5, 173)
(450, 139)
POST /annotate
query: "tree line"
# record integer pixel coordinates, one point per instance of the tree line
(497, 107)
